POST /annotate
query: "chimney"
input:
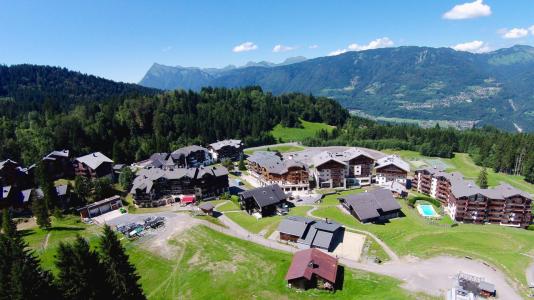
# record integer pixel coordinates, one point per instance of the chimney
(326, 221)
(94, 154)
(311, 264)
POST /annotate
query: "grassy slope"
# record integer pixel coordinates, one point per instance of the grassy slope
(228, 206)
(309, 129)
(462, 163)
(210, 265)
(232, 268)
(281, 149)
(269, 224)
(500, 246)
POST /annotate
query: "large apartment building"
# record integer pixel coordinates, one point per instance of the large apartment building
(156, 187)
(269, 168)
(343, 169)
(468, 203)
(391, 168)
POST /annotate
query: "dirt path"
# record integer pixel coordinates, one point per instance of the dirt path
(45, 243)
(432, 276)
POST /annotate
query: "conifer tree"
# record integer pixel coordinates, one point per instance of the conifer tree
(120, 273)
(21, 276)
(40, 211)
(47, 186)
(482, 179)
(8, 226)
(242, 166)
(81, 274)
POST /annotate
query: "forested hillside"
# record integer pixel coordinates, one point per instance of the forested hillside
(30, 87)
(406, 82)
(504, 152)
(129, 123)
(131, 126)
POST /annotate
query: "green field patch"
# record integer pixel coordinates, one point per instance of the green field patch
(412, 235)
(279, 148)
(267, 224)
(308, 130)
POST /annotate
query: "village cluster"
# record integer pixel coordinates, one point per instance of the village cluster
(192, 175)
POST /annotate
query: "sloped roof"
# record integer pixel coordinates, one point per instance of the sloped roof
(267, 195)
(233, 143)
(145, 177)
(206, 206)
(312, 261)
(94, 160)
(5, 191)
(327, 156)
(392, 160)
(367, 204)
(295, 225)
(56, 153)
(186, 151)
(5, 162)
(273, 163)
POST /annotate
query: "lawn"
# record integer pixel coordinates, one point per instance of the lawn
(309, 129)
(330, 200)
(280, 148)
(210, 265)
(462, 162)
(412, 235)
(62, 230)
(230, 205)
(232, 268)
(266, 225)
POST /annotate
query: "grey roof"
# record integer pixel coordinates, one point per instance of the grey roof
(486, 286)
(295, 225)
(186, 151)
(314, 233)
(119, 167)
(5, 191)
(206, 206)
(2, 163)
(367, 204)
(57, 153)
(461, 187)
(327, 156)
(94, 160)
(233, 143)
(267, 195)
(392, 160)
(273, 163)
(62, 189)
(101, 202)
(145, 177)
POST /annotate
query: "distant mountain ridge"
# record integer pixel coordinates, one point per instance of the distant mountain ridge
(170, 78)
(404, 82)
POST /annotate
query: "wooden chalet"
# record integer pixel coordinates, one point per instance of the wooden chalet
(266, 201)
(312, 268)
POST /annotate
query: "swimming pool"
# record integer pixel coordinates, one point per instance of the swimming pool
(427, 210)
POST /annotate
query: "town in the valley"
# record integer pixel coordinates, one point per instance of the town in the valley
(369, 186)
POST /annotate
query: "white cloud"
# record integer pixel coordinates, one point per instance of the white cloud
(166, 49)
(282, 48)
(531, 28)
(514, 33)
(474, 47)
(317, 46)
(337, 52)
(246, 46)
(375, 44)
(468, 10)
(378, 43)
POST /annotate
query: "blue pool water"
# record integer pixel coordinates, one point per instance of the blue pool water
(427, 210)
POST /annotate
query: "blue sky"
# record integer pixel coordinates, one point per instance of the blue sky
(120, 40)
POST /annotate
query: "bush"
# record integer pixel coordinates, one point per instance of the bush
(531, 227)
(414, 199)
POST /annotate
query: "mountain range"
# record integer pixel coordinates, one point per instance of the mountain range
(408, 82)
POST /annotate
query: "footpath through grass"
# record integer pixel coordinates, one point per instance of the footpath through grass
(411, 235)
(308, 130)
(210, 265)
